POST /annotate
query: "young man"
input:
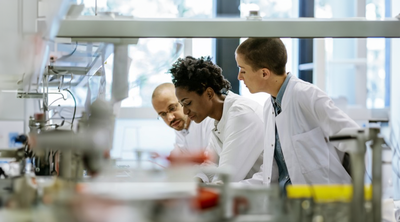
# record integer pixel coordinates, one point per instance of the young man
(191, 138)
(299, 119)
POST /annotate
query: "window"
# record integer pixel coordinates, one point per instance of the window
(149, 8)
(151, 59)
(355, 68)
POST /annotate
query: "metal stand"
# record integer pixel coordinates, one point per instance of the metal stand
(358, 210)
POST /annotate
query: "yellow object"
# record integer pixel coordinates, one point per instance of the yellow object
(326, 193)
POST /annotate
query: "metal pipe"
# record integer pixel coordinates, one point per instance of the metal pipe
(65, 164)
(120, 79)
(358, 171)
(376, 146)
(226, 197)
(357, 205)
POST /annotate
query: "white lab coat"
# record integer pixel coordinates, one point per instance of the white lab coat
(195, 139)
(238, 138)
(307, 120)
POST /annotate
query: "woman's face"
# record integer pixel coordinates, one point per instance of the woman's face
(195, 106)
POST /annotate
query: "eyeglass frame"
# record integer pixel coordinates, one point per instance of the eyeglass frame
(170, 110)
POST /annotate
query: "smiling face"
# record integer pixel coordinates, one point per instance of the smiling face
(253, 79)
(168, 108)
(195, 106)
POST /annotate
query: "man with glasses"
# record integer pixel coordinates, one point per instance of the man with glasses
(191, 138)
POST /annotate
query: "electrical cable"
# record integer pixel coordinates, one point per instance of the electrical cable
(66, 110)
(73, 116)
(70, 54)
(55, 101)
(52, 117)
(58, 72)
(54, 71)
(70, 81)
(63, 118)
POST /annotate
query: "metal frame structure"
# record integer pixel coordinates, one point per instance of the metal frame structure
(91, 28)
(228, 28)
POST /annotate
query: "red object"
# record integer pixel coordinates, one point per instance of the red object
(187, 158)
(39, 116)
(239, 204)
(205, 199)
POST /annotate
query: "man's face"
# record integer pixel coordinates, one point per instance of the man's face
(195, 106)
(168, 108)
(251, 78)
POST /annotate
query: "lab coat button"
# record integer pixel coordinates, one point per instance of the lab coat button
(272, 144)
(272, 113)
(218, 132)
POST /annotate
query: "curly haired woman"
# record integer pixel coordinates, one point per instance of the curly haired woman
(237, 139)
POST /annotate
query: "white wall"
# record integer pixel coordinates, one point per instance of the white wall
(11, 108)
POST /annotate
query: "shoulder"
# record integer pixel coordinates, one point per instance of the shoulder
(300, 86)
(303, 91)
(179, 136)
(237, 105)
(207, 123)
(267, 103)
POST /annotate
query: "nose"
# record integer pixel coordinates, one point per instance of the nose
(240, 77)
(170, 117)
(186, 111)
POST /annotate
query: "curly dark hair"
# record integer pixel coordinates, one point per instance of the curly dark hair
(197, 74)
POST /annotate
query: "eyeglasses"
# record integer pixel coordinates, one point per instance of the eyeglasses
(171, 108)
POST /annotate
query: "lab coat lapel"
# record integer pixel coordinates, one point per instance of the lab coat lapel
(283, 125)
(269, 143)
(218, 132)
(217, 141)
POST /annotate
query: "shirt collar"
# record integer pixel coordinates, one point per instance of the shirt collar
(184, 131)
(225, 109)
(278, 99)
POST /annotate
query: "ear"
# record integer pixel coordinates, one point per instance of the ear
(210, 93)
(266, 73)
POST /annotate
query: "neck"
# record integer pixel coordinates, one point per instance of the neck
(276, 83)
(218, 107)
(187, 123)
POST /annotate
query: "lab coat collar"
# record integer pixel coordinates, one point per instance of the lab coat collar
(227, 103)
(278, 99)
(185, 132)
